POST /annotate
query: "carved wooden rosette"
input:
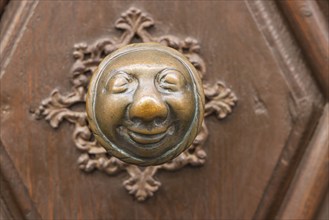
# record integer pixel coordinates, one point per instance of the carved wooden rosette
(56, 108)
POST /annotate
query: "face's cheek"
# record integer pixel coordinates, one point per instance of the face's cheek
(112, 112)
(182, 107)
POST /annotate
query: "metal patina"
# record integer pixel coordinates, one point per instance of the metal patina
(145, 103)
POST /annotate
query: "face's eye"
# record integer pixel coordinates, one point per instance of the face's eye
(119, 83)
(170, 80)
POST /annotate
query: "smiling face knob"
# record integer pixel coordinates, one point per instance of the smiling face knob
(145, 103)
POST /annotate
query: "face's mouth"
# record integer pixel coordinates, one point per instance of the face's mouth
(145, 136)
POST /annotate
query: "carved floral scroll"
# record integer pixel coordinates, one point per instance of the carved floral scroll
(134, 25)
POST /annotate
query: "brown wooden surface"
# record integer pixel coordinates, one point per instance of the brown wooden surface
(310, 183)
(323, 211)
(15, 202)
(324, 7)
(253, 155)
(284, 47)
(3, 4)
(311, 29)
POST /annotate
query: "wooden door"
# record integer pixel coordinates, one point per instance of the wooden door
(264, 154)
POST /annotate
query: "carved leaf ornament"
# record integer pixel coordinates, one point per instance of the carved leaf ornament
(134, 24)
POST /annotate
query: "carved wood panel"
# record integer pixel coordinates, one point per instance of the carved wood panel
(252, 155)
(58, 108)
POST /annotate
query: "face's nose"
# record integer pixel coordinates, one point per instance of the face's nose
(148, 108)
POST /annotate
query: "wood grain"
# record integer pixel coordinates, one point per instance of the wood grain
(252, 155)
(15, 202)
(323, 210)
(311, 30)
(291, 61)
(310, 183)
(12, 27)
(3, 4)
(324, 7)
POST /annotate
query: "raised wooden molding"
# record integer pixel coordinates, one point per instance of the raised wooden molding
(15, 201)
(12, 26)
(308, 104)
(3, 4)
(311, 30)
(323, 210)
(14, 197)
(310, 183)
(280, 191)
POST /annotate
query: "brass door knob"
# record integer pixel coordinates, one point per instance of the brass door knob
(145, 103)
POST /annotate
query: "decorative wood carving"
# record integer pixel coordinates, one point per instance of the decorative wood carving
(55, 109)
